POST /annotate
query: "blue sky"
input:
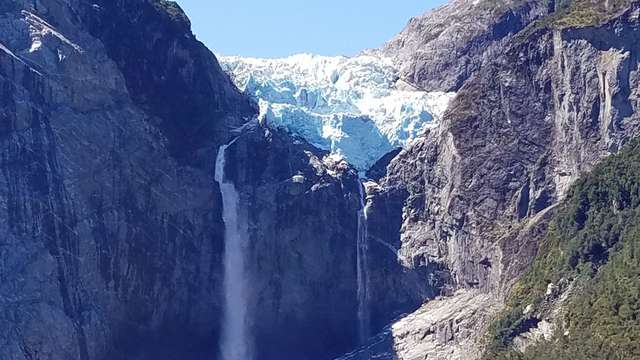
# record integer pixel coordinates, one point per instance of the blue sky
(276, 28)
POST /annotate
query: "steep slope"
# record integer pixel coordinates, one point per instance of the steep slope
(106, 234)
(168, 73)
(581, 297)
(479, 190)
(111, 221)
(443, 48)
(302, 209)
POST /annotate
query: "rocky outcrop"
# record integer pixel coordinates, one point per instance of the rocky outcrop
(442, 49)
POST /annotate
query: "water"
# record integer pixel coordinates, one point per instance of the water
(364, 323)
(235, 343)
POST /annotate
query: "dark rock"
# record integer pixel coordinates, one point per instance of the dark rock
(440, 50)
(379, 169)
(302, 264)
(112, 236)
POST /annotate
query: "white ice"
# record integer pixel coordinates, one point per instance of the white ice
(354, 107)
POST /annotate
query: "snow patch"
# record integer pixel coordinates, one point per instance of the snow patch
(39, 29)
(36, 44)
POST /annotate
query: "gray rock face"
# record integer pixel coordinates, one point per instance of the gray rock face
(112, 236)
(108, 240)
(440, 50)
(480, 189)
(394, 289)
(515, 137)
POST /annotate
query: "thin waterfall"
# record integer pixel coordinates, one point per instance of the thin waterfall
(235, 343)
(364, 325)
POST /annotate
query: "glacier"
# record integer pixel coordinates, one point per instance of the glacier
(353, 107)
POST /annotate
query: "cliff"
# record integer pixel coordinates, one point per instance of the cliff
(548, 103)
(112, 114)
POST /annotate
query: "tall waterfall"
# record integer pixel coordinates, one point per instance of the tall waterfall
(234, 343)
(364, 325)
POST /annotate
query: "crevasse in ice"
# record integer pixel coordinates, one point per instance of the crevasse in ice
(354, 107)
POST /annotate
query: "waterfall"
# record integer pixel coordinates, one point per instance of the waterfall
(234, 343)
(364, 325)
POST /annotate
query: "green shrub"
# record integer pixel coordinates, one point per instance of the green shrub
(577, 14)
(594, 242)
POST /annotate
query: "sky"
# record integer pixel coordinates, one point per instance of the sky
(278, 28)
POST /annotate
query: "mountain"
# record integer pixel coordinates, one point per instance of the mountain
(442, 49)
(111, 218)
(110, 221)
(553, 100)
(581, 297)
(467, 191)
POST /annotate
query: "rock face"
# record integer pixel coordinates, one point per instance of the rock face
(440, 50)
(110, 239)
(550, 103)
(302, 209)
(112, 236)
(515, 137)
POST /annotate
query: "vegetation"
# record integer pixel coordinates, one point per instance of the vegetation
(594, 245)
(583, 13)
(577, 14)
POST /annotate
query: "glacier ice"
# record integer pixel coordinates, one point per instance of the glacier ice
(353, 107)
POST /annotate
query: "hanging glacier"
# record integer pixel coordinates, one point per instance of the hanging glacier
(355, 107)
